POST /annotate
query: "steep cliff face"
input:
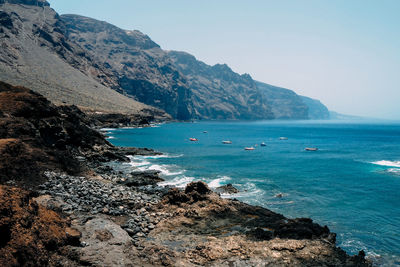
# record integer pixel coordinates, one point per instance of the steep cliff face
(220, 93)
(142, 69)
(316, 110)
(36, 53)
(285, 103)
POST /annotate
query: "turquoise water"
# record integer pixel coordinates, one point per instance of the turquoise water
(351, 184)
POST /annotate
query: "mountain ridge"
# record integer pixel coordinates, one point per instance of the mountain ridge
(36, 54)
(74, 59)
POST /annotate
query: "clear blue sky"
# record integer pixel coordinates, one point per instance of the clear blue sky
(344, 52)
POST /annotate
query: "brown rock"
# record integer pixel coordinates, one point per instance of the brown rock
(30, 234)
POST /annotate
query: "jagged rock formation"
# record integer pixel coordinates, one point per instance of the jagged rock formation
(220, 93)
(316, 110)
(36, 135)
(142, 68)
(35, 53)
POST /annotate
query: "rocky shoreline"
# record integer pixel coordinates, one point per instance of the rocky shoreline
(83, 207)
(169, 227)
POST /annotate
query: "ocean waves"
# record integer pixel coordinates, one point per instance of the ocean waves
(176, 176)
(392, 167)
(387, 163)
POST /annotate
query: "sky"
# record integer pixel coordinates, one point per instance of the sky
(345, 53)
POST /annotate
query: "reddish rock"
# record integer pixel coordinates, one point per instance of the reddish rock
(30, 234)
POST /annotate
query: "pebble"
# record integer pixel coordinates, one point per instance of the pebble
(94, 196)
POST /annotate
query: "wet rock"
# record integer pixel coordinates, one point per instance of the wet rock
(301, 228)
(142, 178)
(195, 191)
(227, 189)
(199, 187)
(260, 234)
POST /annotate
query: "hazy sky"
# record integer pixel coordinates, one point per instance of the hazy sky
(344, 52)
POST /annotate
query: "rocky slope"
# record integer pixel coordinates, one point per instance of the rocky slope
(220, 93)
(35, 52)
(142, 69)
(36, 135)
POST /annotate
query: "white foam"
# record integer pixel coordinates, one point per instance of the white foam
(219, 181)
(139, 163)
(248, 190)
(387, 163)
(107, 129)
(394, 171)
(164, 169)
(162, 156)
(180, 181)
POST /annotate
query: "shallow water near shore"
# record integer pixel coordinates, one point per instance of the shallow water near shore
(351, 184)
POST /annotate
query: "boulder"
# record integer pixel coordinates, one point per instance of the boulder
(227, 189)
(142, 178)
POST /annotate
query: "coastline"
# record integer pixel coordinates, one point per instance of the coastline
(190, 227)
(67, 202)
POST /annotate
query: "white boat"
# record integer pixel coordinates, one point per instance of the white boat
(283, 138)
(263, 144)
(311, 148)
(227, 142)
(193, 139)
(249, 148)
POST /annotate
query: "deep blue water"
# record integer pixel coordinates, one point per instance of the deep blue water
(351, 184)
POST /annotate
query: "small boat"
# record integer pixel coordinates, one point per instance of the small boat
(227, 142)
(249, 148)
(205, 132)
(263, 144)
(311, 149)
(193, 139)
(283, 138)
(279, 195)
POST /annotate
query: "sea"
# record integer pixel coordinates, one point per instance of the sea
(351, 183)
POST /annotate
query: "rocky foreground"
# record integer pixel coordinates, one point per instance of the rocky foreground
(69, 198)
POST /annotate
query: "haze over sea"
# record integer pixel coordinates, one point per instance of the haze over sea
(351, 184)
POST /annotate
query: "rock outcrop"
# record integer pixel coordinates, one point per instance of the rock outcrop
(36, 135)
(211, 231)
